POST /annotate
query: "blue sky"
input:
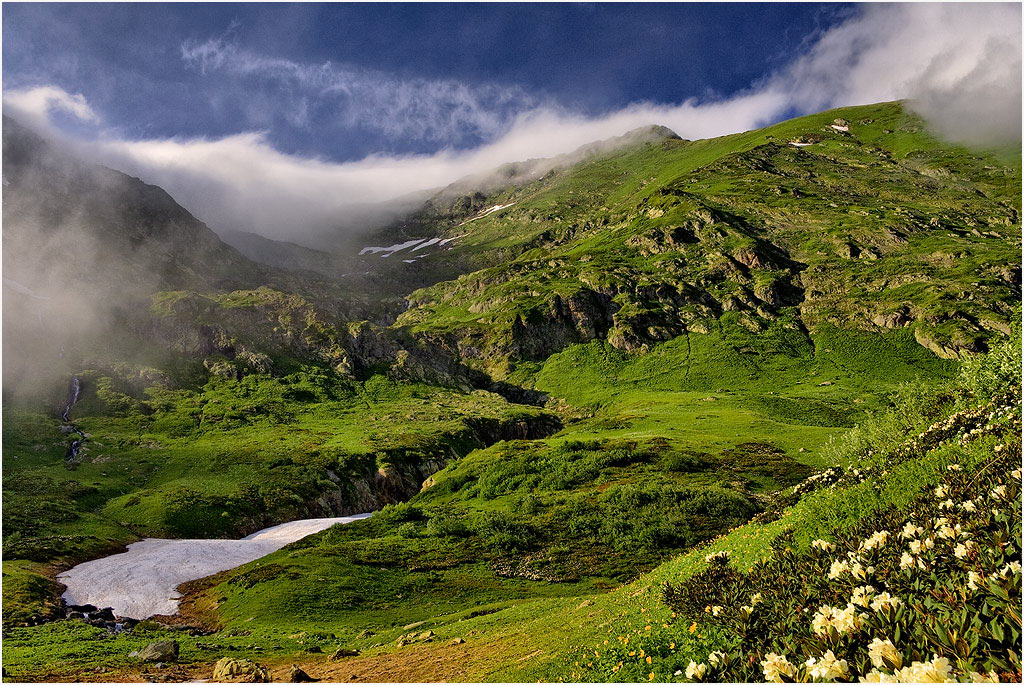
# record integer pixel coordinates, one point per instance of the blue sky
(278, 119)
(138, 65)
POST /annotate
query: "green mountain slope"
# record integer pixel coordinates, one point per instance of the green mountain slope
(575, 372)
(875, 227)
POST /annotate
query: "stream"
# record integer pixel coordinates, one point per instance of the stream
(71, 456)
(143, 581)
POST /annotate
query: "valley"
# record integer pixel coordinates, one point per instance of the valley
(559, 392)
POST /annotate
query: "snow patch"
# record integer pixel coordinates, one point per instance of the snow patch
(796, 144)
(143, 581)
(491, 210)
(432, 241)
(837, 127)
(391, 249)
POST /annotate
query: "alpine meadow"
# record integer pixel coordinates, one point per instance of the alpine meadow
(358, 342)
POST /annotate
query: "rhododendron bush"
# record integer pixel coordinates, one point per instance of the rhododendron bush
(929, 593)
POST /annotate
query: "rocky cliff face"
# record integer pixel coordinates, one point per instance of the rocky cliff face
(399, 474)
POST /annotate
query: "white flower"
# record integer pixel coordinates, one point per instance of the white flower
(974, 580)
(775, 666)
(861, 572)
(823, 545)
(696, 671)
(990, 677)
(1015, 474)
(838, 569)
(862, 595)
(969, 506)
(716, 610)
(1010, 569)
(922, 545)
(911, 531)
(885, 602)
(937, 670)
(883, 653)
(841, 620)
(716, 658)
(717, 556)
(940, 491)
(953, 467)
(755, 599)
(876, 540)
(828, 667)
(947, 504)
(998, 492)
(906, 561)
(963, 549)
(746, 611)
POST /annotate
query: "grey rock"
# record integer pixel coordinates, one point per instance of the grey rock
(162, 650)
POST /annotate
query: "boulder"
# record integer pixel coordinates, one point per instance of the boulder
(106, 614)
(342, 652)
(239, 670)
(83, 608)
(297, 675)
(162, 650)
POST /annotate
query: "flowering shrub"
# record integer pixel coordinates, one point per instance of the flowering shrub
(930, 593)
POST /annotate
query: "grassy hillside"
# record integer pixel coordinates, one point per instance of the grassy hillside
(876, 227)
(433, 560)
(661, 351)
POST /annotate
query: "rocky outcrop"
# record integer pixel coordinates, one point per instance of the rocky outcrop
(239, 671)
(942, 351)
(400, 473)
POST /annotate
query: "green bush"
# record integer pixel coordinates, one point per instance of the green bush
(504, 532)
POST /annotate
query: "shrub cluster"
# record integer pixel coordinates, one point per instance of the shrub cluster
(927, 594)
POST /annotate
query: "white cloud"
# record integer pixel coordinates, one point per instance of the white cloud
(960, 65)
(437, 110)
(36, 105)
